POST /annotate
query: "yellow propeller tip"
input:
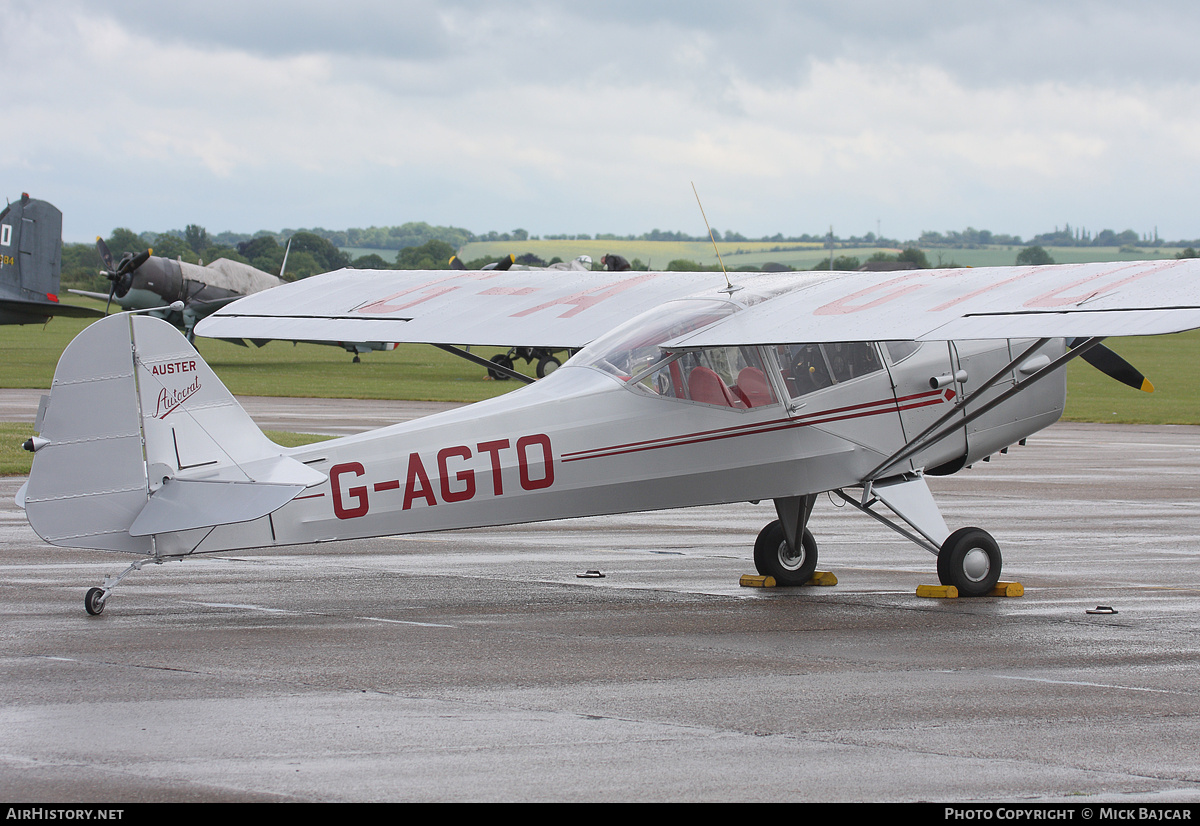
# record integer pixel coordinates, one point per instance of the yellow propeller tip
(1147, 387)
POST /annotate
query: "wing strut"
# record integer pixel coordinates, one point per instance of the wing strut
(939, 430)
(909, 498)
(482, 362)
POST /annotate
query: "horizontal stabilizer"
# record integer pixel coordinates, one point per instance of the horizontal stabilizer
(180, 505)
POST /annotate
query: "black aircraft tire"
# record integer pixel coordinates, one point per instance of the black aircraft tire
(503, 361)
(93, 601)
(547, 365)
(970, 561)
(773, 557)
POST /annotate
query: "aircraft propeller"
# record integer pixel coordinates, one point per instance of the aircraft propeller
(1112, 365)
(120, 275)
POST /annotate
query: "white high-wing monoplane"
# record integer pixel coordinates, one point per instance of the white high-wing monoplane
(688, 391)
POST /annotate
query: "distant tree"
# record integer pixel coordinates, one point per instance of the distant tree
(370, 262)
(844, 263)
(196, 237)
(327, 256)
(432, 255)
(125, 240)
(81, 267)
(1188, 253)
(915, 256)
(264, 253)
(1033, 256)
(263, 245)
(214, 252)
(172, 246)
(301, 264)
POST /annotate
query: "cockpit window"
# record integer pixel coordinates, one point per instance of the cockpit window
(810, 367)
(898, 351)
(632, 348)
(722, 376)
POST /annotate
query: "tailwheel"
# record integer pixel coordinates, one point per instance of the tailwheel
(970, 561)
(774, 557)
(93, 601)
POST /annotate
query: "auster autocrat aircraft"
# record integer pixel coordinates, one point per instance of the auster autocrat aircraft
(31, 264)
(688, 391)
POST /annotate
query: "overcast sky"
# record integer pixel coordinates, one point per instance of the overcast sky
(569, 117)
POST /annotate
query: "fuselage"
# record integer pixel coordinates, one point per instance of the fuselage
(626, 426)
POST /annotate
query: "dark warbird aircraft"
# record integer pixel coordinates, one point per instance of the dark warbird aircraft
(31, 264)
(144, 281)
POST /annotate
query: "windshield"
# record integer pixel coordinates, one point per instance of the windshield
(632, 348)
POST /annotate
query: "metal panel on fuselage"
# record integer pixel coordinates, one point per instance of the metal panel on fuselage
(1031, 409)
(921, 404)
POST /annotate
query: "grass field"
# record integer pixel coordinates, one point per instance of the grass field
(411, 371)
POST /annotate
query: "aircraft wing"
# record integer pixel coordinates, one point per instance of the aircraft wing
(559, 309)
(568, 309)
(40, 309)
(1055, 301)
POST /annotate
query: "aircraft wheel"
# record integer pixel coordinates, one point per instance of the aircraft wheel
(970, 561)
(775, 558)
(93, 602)
(503, 361)
(547, 365)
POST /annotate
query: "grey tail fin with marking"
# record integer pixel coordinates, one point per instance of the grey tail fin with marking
(31, 264)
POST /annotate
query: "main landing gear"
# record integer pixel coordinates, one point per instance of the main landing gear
(969, 558)
(774, 557)
(547, 361)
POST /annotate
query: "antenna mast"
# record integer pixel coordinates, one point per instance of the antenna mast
(728, 286)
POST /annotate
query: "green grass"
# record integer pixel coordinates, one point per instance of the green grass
(415, 372)
(1172, 363)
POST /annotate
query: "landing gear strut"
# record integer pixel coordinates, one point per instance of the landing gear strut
(95, 599)
(969, 558)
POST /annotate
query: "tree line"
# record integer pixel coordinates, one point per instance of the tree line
(419, 245)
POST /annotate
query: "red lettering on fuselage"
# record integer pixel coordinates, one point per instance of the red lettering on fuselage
(172, 368)
(417, 485)
(340, 508)
(459, 469)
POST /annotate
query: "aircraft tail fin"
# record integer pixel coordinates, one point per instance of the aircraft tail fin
(31, 263)
(143, 449)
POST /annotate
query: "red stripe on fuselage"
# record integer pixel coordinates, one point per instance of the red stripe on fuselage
(836, 414)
